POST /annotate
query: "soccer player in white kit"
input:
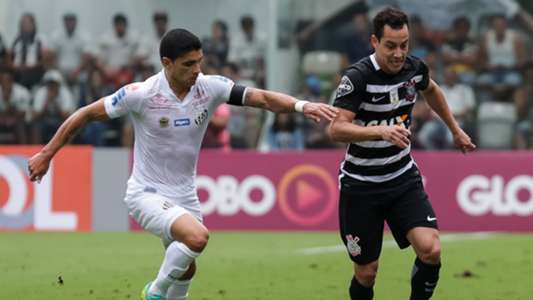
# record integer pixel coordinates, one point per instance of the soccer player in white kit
(170, 112)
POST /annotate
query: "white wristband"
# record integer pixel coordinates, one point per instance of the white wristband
(299, 105)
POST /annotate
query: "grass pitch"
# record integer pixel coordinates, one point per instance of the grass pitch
(252, 266)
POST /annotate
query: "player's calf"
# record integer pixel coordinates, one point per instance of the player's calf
(361, 287)
(424, 278)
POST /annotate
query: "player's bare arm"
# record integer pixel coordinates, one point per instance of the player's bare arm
(437, 102)
(281, 103)
(343, 130)
(39, 163)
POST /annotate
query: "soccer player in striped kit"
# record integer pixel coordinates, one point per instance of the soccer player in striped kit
(379, 181)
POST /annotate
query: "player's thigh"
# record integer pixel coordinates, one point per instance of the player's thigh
(156, 214)
(361, 225)
(410, 209)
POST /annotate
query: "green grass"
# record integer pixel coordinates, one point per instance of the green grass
(250, 266)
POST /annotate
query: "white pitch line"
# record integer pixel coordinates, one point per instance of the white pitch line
(453, 237)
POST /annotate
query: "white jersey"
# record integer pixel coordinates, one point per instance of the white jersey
(168, 131)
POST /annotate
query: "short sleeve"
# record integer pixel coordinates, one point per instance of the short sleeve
(125, 100)
(350, 92)
(422, 70)
(220, 87)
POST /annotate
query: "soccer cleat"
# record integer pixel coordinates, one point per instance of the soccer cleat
(146, 296)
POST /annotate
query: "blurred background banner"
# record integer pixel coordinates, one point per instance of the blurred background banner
(245, 190)
(484, 191)
(61, 201)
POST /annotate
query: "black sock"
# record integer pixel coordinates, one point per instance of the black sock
(359, 292)
(423, 280)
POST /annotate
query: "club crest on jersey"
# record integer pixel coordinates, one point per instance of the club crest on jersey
(352, 246)
(344, 88)
(410, 90)
(394, 96)
(164, 122)
(201, 117)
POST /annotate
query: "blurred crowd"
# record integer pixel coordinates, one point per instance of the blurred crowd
(485, 70)
(486, 75)
(46, 77)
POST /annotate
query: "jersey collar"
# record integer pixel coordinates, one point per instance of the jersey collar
(374, 61)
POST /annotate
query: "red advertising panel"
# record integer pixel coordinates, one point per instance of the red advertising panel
(482, 191)
(289, 190)
(488, 191)
(61, 201)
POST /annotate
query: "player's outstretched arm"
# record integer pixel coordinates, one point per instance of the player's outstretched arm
(343, 130)
(437, 102)
(39, 163)
(281, 103)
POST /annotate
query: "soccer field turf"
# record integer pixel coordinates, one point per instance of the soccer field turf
(253, 266)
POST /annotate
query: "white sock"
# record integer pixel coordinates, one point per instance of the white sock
(178, 257)
(178, 290)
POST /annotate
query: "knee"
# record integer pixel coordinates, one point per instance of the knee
(197, 240)
(430, 253)
(366, 274)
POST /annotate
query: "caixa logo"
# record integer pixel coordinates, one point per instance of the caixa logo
(480, 195)
(227, 196)
(24, 204)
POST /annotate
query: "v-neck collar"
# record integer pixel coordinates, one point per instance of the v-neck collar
(165, 85)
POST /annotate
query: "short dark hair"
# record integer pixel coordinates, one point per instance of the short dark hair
(247, 21)
(395, 18)
(120, 18)
(177, 42)
(160, 16)
(460, 21)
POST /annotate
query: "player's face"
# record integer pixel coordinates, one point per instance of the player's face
(186, 68)
(392, 49)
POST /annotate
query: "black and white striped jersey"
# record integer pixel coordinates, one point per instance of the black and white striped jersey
(378, 98)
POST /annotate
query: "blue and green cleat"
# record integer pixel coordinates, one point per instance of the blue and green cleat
(146, 296)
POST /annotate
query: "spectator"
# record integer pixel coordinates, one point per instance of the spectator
(356, 40)
(218, 44)
(14, 104)
(523, 99)
(315, 134)
(460, 51)
(117, 51)
(461, 100)
(285, 134)
(71, 48)
(217, 134)
(502, 51)
(245, 123)
(28, 53)
(3, 53)
(420, 41)
(247, 50)
(148, 53)
(92, 88)
(53, 103)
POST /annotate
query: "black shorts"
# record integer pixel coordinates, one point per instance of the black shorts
(364, 206)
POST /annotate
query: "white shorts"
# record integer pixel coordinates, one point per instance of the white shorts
(156, 213)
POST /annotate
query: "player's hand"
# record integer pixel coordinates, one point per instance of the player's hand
(463, 141)
(38, 166)
(397, 135)
(319, 111)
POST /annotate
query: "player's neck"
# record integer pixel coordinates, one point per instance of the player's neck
(180, 91)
